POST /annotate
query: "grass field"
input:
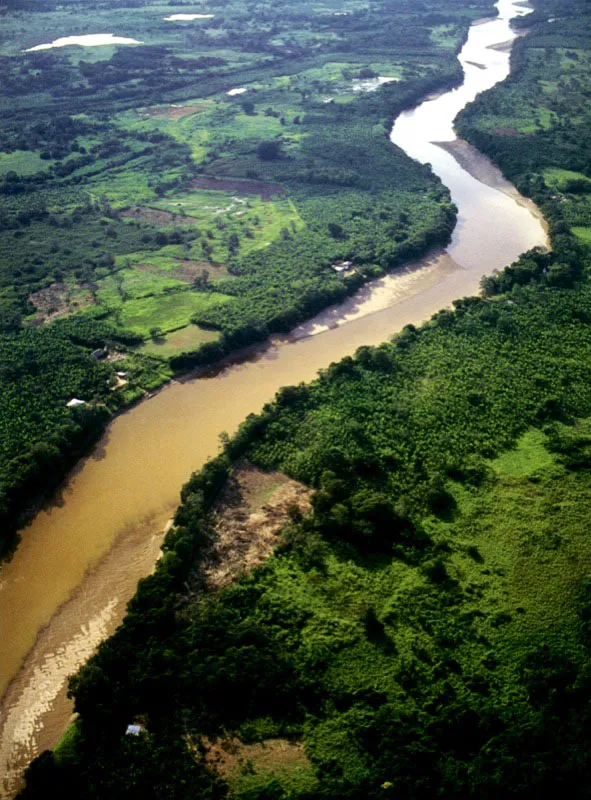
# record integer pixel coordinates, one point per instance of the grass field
(584, 234)
(167, 312)
(530, 531)
(558, 178)
(219, 214)
(185, 340)
(23, 162)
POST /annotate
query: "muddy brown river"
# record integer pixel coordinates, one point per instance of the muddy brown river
(79, 561)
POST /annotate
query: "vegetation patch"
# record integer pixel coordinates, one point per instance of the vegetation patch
(185, 340)
(188, 270)
(174, 112)
(265, 190)
(157, 217)
(256, 767)
(246, 524)
(60, 299)
(149, 316)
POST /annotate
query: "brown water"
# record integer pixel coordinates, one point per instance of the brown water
(79, 561)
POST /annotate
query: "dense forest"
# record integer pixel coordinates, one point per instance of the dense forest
(199, 196)
(424, 630)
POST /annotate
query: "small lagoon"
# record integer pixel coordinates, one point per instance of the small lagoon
(87, 40)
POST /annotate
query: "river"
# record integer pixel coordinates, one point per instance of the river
(79, 561)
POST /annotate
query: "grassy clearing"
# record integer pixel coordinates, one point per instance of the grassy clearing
(250, 767)
(185, 340)
(133, 284)
(447, 37)
(583, 233)
(174, 263)
(530, 532)
(219, 215)
(167, 312)
(559, 178)
(23, 162)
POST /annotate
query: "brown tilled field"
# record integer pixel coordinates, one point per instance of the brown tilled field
(58, 300)
(172, 112)
(230, 757)
(266, 190)
(157, 217)
(247, 524)
(508, 132)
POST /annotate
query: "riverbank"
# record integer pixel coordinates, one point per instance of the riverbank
(487, 172)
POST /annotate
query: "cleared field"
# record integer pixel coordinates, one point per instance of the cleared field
(167, 313)
(133, 284)
(60, 299)
(173, 112)
(559, 178)
(584, 234)
(172, 264)
(226, 213)
(188, 270)
(184, 340)
(157, 217)
(264, 189)
(23, 162)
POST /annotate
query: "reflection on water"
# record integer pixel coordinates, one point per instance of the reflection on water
(80, 559)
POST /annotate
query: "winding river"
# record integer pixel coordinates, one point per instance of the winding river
(79, 561)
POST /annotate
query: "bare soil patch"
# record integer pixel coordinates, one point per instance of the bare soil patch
(230, 757)
(58, 300)
(247, 523)
(188, 269)
(266, 190)
(173, 112)
(508, 132)
(157, 217)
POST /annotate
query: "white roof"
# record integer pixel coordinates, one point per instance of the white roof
(74, 402)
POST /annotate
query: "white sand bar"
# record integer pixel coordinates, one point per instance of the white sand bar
(186, 17)
(88, 40)
(233, 92)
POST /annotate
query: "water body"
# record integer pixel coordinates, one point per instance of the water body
(87, 40)
(186, 17)
(79, 561)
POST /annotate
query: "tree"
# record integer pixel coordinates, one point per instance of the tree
(233, 243)
(336, 231)
(10, 318)
(269, 151)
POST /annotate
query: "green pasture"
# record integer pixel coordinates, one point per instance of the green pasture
(184, 340)
(584, 234)
(193, 130)
(220, 214)
(558, 178)
(126, 186)
(133, 284)
(447, 37)
(167, 312)
(529, 529)
(23, 162)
